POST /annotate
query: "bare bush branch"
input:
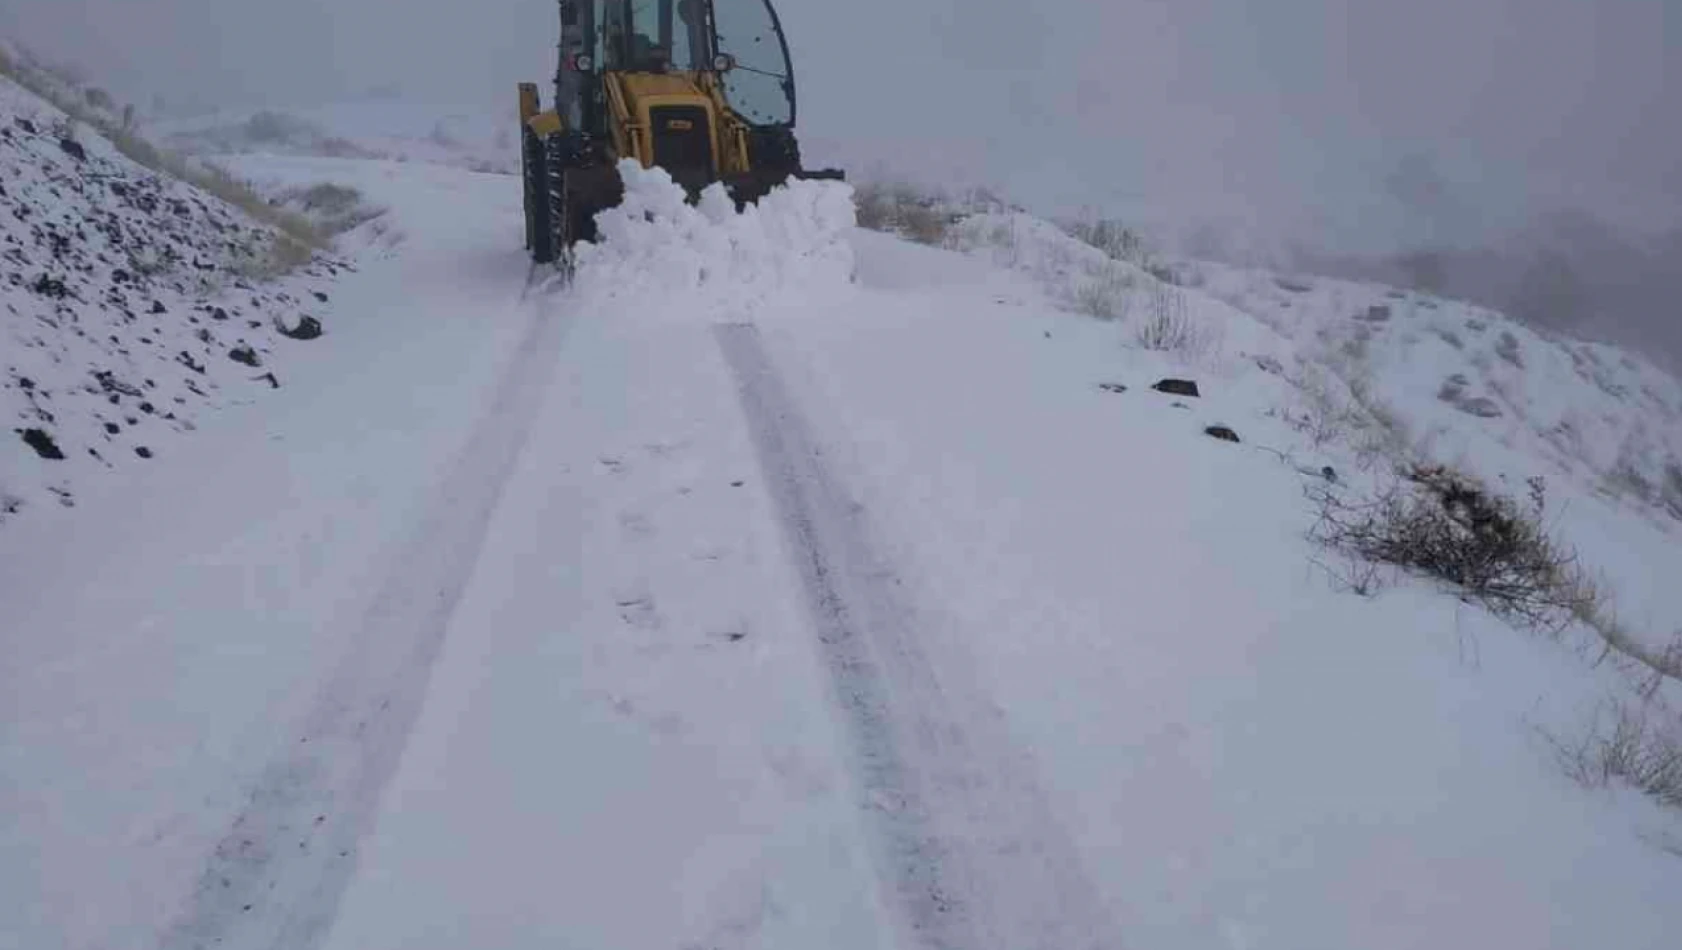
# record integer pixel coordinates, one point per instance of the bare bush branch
(1107, 295)
(1444, 524)
(1638, 745)
(1168, 326)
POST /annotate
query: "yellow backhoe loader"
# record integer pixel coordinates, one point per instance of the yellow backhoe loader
(700, 88)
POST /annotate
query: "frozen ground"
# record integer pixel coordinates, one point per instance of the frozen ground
(776, 585)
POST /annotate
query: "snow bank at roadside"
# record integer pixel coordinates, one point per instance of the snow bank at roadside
(707, 259)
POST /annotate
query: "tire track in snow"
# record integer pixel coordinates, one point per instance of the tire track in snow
(965, 840)
(276, 877)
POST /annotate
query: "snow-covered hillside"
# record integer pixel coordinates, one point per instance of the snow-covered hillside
(1362, 375)
(130, 305)
(481, 140)
(780, 584)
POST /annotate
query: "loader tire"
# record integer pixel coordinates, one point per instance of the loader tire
(540, 230)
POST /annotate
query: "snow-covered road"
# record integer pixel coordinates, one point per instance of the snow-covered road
(967, 841)
(777, 586)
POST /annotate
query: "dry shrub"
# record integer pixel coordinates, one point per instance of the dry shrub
(1168, 326)
(1445, 524)
(333, 208)
(1325, 418)
(1107, 295)
(905, 210)
(1638, 745)
(1116, 240)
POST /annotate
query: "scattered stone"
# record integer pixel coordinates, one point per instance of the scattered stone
(73, 149)
(1481, 406)
(1293, 285)
(186, 359)
(112, 428)
(217, 313)
(1328, 473)
(1268, 364)
(320, 296)
(1178, 387)
(109, 383)
(158, 307)
(43, 444)
(1221, 432)
(1116, 388)
(308, 328)
(120, 276)
(143, 452)
(246, 355)
(269, 378)
(1377, 313)
(737, 484)
(50, 287)
(26, 125)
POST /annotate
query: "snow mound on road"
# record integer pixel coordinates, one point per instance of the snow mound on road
(707, 259)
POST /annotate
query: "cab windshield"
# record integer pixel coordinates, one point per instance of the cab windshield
(653, 35)
(761, 86)
(661, 35)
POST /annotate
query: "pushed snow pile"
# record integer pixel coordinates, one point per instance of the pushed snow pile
(709, 260)
(130, 303)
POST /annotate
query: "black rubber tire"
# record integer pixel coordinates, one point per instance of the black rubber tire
(540, 230)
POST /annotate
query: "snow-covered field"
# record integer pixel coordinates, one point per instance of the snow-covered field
(477, 139)
(781, 584)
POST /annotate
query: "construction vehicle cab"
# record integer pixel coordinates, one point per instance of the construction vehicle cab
(700, 88)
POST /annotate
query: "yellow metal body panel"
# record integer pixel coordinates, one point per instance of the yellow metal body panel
(632, 98)
(545, 123)
(528, 100)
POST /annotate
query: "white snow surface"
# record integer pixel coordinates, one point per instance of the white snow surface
(777, 584)
(479, 139)
(125, 297)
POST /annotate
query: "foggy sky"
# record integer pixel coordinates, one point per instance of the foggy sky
(1351, 125)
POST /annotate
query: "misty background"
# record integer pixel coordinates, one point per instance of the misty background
(1526, 154)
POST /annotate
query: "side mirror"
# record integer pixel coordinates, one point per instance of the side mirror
(723, 63)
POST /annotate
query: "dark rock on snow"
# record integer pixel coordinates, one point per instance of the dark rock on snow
(308, 328)
(43, 444)
(1177, 387)
(1221, 432)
